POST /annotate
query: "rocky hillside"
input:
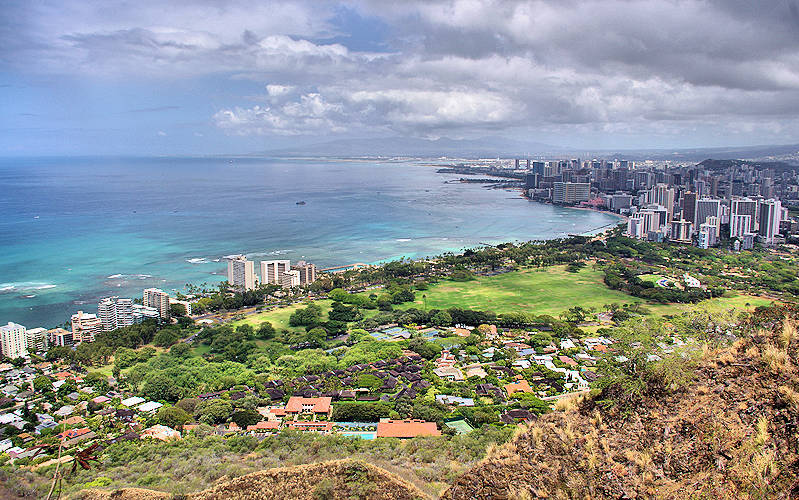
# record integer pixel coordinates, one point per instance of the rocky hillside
(725, 427)
(339, 479)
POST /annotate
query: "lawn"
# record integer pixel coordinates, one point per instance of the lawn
(740, 302)
(280, 317)
(547, 291)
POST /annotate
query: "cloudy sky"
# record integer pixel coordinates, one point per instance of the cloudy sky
(214, 76)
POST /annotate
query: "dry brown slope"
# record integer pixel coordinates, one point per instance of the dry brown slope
(338, 479)
(730, 433)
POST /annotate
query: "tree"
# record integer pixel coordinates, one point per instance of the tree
(42, 384)
(177, 310)
(243, 418)
(180, 350)
(369, 381)
(172, 416)
(160, 387)
(308, 316)
(427, 350)
(441, 318)
(213, 412)
(341, 312)
(265, 331)
(166, 337)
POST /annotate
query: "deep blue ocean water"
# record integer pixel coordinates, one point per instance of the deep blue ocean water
(75, 230)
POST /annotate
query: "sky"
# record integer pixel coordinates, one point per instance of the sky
(186, 77)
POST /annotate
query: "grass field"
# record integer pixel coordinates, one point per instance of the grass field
(549, 291)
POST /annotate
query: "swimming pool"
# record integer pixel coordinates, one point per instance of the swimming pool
(362, 435)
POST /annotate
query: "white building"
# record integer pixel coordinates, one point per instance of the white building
(36, 339)
(740, 224)
(271, 270)
(13, 341)
(115, 313)
(159, 299)
(85, 327)
(290, 279)
(241, 273)
(142, 312)
(570, 192)
(744, 206)
(681, 230)
(307, 272)
(770, 213)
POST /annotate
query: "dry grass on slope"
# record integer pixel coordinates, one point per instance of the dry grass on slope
(730, 433)
(338, 479)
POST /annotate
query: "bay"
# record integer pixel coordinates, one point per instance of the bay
(75, 230)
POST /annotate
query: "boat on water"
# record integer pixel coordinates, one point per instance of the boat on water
(300, 203)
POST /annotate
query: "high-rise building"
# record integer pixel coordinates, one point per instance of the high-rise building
(115, 313)
(706, 207)
(13, 341)
(154, 297)
(142, 312)
(770, 212)
(570, 192)
(272, 269)
(241, 273)
(739, 225)
(689, 207)
(715, 222)
(663, 195)
(306, 270)
(745, 206)
(290, 279)
(85, 327)
(60, 337)
(36, 339)
(681, 230)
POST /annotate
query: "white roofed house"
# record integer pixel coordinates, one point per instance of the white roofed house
(132, 401)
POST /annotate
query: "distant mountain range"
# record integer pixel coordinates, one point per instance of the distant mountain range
(492, 147)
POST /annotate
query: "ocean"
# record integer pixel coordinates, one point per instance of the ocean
(75, 230)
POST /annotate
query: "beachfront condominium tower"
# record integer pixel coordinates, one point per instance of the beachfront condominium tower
(13, 341)
(36, 339)
(307, 272)
(241, 273)
(158, 299)
(272, 270)
(115, 313)
(770, 214)
(85, 326)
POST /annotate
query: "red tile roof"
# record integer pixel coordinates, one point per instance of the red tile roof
(73, 433)
(263, 425)
(320, 405)
(406, 428)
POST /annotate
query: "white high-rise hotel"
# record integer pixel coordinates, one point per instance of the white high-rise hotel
(241, 273)
(115, 313)
(272, 270)
(13, 341)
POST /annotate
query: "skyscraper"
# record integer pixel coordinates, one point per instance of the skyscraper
(271, 270)
(158, 299)
(36, 339)
(745, 206)
(706, 207)
(13, 341)
(689, 207)
(115, 313)
(306, 270)
(770, 213)
(241, 273)
(663, 195)
(739, 225)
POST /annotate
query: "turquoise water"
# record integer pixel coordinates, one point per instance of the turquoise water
(75, 230)
(361, 435)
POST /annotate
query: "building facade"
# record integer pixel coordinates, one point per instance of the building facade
(241, 273)
(158, 299)
(271, 270)
(13, 340)
(85, 327)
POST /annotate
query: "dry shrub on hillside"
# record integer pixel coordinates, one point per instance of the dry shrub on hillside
(726, 429)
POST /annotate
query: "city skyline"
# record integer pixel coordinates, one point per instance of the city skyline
(204, 78)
